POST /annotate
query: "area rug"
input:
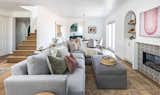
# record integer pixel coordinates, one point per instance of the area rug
(137, 85)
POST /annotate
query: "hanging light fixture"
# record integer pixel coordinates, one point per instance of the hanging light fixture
(84, 22)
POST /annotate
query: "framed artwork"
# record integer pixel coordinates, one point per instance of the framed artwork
(74, 27)
(58, 30)
(150, 23)
(92, 30)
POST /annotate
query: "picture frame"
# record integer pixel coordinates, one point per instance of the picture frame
(150, 23)
(58, 31)
(92, 29)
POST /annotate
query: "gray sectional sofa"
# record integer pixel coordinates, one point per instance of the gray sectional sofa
(20, 83)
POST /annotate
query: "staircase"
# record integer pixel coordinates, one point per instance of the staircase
(23, 50)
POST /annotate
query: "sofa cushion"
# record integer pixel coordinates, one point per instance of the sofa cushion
(37, 65)
(71, 46)
(58, 65)
(76, 82)
(74, 45)
(78, 55)
(71, 63)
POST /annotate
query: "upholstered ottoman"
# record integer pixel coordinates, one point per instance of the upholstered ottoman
(111, 77)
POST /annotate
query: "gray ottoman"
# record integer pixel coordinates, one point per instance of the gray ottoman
(111, 77)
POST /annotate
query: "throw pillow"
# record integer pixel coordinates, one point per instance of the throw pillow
(71, 46)
(53, 51)
(77, 44)
(58, 65)
(37, 65)
(62, 52)
(71, 63)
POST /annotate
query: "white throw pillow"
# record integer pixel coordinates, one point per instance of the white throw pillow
(53, 51)
(61, 51)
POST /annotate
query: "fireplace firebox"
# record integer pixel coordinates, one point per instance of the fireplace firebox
(152, 61)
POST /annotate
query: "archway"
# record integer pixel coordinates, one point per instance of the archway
(130, 36)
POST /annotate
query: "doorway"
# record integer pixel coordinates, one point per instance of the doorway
(22, 29)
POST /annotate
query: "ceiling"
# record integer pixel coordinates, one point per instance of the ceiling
(68, 8)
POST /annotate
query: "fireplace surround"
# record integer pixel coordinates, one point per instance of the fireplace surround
(149, 61)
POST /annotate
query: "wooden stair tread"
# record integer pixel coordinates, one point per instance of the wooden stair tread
(30, 41)
(33, 33)
(16, 57)
(25, 50)
(31, 45)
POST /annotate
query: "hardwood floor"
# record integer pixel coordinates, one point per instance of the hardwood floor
(5, 75)
(137, 84)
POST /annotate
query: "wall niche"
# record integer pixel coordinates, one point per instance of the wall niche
(130, 24)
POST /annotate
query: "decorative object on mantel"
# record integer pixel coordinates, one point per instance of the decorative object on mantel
(92, 30)
(150, 23)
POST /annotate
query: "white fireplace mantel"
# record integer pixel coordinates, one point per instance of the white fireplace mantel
(150, 41)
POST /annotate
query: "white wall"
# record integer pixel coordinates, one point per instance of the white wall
(118, 16)
(33, 18)
(7, 30)
(4, 35)
(84, 24)
(12, 34)
(100, 26)
(46, 20)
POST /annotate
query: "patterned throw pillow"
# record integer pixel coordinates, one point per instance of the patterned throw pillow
(71, 63)
(58, 65)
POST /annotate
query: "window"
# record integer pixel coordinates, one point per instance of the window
(110, 36)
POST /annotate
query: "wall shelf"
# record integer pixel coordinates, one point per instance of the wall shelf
(130, 25)
(132, 22)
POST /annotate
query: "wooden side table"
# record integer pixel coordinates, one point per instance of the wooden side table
(45, 93)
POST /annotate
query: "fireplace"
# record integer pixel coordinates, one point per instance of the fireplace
(149, 61)
(152, 61)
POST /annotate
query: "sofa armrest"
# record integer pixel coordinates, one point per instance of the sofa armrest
(19, 68)
(31, 84)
